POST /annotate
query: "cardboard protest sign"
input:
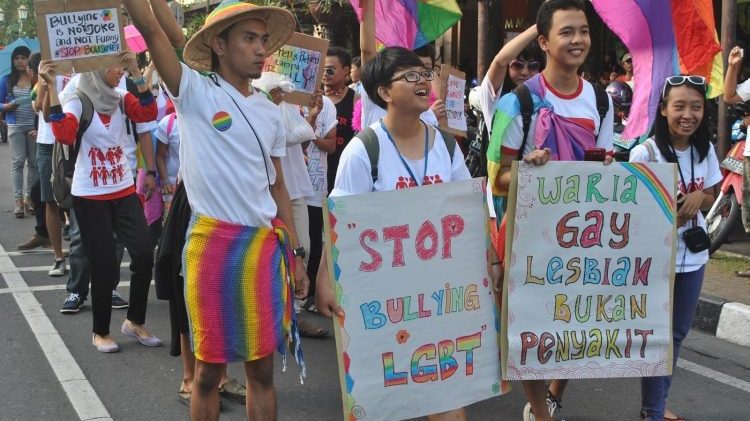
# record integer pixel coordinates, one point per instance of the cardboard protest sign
(589, 271)
(453, 84)
(302, 59)
(420, 335)
(80, 34)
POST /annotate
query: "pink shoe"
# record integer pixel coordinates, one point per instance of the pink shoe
(104, 348)
(150, 340)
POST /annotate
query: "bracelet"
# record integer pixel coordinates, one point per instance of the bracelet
(497, 263)
(140, 81)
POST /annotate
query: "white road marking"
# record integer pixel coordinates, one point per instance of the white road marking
(46, 268)
(81, 394)
(714, 375)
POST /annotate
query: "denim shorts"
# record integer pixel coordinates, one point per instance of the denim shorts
(44, 165)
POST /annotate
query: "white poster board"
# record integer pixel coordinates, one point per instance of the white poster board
(589, 271)
(421, 330)
(454, 86)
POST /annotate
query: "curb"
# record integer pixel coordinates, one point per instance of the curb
(726, 320)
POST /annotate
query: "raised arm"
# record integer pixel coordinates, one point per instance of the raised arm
(367, 31)
(511, 50)
(730, 80)
(162, 53)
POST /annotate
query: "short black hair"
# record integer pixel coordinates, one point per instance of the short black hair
(380, 70)
(660, 132)
(357, 61)
(427, 50)
(548, 9)
(345, 57)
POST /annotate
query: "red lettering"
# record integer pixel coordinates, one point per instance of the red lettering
(623, 231)
(592, 235)
(377, 259)
(641, 271)
(397, 234)
(427, 231)
(528, 340)
(546, 343)
(645, 334)
(453, 226)
(563, 229)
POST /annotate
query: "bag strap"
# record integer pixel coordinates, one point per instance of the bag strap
(527, 110)
(602, 103)
(87, 114)
(170, 123)
(450, 142)
(651, 152)
(370, 140)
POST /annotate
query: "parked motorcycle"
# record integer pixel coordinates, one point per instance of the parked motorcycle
(727, 208)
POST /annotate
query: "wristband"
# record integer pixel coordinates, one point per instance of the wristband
(151, 173)
(497, 263)
(140, 81)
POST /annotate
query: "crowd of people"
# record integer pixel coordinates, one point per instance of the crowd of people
(194, 155)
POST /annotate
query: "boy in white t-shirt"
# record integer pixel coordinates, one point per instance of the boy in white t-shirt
(563, 100)
(231, 141)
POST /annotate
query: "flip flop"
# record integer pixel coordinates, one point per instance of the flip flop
(309, 330)
(233, 391)
(184, 397)
(741, 274)
(679, 418)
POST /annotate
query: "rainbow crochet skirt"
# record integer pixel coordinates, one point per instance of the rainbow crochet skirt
(238, 291)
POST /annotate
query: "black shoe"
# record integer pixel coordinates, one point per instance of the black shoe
(118, 301)
(72, 304)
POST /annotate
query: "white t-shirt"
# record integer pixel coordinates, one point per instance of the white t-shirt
(171, 138)
(372, 113)
(354, 173)
(580, 106)
(44, 131)
(222, 164)
(317, 160)
(707, 174)
(488, 97)
(743, 90)
(295, 173)
(102, 165)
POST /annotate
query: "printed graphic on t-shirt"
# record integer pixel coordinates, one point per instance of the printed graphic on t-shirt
(106, 166)
(405, 182)
(696, 185)
(222, 121)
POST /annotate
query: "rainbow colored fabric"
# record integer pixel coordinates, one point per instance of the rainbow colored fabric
(661, 49)
(238, 291)
(411, 23)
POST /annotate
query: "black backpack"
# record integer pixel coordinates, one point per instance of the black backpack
(64, 157)
(527, 109)
(372, 146)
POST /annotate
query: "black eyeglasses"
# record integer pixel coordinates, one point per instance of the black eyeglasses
(329, 71)
(697, 81)
(413, 76)
(532, 66)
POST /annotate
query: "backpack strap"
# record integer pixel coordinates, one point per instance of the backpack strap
(527, 110)
(370, 139)
(450, 142)
(87, 114)
(170, 124)
(602, 103)
(651, 152)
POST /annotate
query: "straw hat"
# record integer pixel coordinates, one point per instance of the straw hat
(280, 24)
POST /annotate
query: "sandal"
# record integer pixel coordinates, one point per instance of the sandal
(19, 211)
(741, 274)
(309, 330)
(233, 391)
(184, 397)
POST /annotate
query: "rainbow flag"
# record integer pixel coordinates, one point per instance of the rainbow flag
(661, 49)
(411, 23)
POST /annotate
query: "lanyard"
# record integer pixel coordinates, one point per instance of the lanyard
(403, 161)
(692, 169)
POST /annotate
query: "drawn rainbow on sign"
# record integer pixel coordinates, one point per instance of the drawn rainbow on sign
(661, 194)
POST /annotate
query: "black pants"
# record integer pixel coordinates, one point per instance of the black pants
(316, 244)
(98, 221)
(40, 211)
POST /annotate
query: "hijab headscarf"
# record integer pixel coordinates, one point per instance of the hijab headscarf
(105, 98)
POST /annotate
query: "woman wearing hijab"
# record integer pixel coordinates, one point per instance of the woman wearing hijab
(105, 201)
(15, 101)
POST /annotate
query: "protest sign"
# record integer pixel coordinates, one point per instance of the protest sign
(420, 331)
(589, 271)
(302, 59)
(453, 84)
(80, 35)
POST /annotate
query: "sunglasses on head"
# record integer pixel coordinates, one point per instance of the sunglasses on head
(329, 71)
(630, 60)
(532, 66)
(697, 81)
(413, 76)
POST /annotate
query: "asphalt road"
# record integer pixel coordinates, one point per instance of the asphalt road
(50, 371)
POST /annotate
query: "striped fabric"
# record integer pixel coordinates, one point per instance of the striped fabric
(238, 290)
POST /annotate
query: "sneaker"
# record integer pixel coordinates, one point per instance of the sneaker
(66, 232)
(553, 405)
(58, 269)
(118, 301)
(35, 241)
(72, 304)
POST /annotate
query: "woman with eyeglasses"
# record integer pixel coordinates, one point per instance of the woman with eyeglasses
(412, 153)
(680, 135)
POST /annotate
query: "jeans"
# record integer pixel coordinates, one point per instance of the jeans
(654, 390)
(99, 221)
(23, 152)
(80, 271)
(44, 167)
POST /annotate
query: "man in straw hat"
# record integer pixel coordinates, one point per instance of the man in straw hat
(240, 243)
